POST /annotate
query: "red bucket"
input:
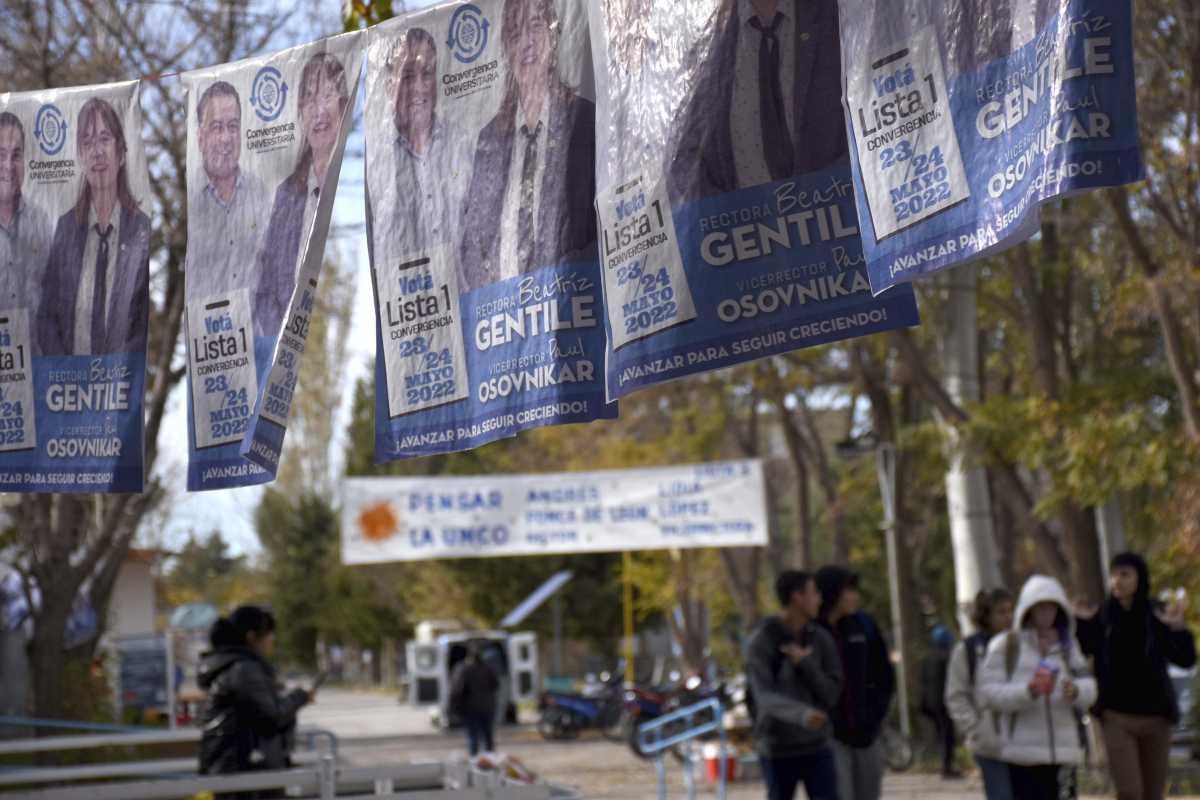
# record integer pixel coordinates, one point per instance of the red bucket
(712, 764)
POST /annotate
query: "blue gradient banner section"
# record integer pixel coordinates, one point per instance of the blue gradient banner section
(953, 151)
(768, 269)
(534, 349)
(88, 412)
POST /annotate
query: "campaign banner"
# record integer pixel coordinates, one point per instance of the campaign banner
(721, 504)
(265, 142)
(74, 289)
(480, 144)
(727, 214)
(966, 115)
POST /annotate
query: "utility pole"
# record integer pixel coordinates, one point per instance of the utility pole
(972, 537)
(885, 464)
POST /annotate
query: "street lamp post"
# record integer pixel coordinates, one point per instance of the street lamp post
(885, 466)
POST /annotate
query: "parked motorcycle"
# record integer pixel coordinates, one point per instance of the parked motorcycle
(565, 714)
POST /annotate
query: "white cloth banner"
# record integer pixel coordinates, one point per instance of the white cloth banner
(721, 504)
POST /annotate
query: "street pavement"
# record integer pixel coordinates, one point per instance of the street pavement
(599, 769)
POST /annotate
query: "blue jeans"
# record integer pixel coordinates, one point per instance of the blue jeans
(997, 780)
(479, 731)
(817, 771)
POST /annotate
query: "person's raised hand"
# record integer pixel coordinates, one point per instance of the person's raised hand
(1083, 609)
(1172, 616)
(795, 652)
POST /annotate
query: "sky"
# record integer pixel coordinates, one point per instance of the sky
(232, 510)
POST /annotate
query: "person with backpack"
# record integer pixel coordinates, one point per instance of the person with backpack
(473, 695)
(794, 680)
(1131, 640)
(247, 722)
(1036, 680)
(934, 668)
(868, 684)
(992, 614)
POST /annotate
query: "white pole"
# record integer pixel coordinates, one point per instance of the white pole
(885, 462)
(171, 688)
(976, 562)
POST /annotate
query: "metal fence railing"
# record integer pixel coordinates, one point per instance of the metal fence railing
(679, 727)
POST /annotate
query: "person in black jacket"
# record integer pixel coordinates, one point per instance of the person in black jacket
(1131, 640)
(868, 683)
(247, 723)
(934, 669)
(473, 690)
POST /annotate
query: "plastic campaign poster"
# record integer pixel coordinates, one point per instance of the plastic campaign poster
(480, 146)
(720, 504)
(74, 290)
(965, 115)
(728, 227)
(265, 143)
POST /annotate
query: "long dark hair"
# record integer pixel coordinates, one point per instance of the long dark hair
(985, 603)
(322, 66)
(235, 630)
(98, 112)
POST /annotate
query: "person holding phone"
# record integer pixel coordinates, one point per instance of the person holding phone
(795, 678)
(1036, 680)
(1132, 639)
(247, 722)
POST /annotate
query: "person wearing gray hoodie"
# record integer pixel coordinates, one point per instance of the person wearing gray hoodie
(992, 615)
(794, 675)
(1037, 681)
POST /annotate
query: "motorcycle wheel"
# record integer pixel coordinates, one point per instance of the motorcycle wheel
(556, 725)
(617, 730)
(634, 745)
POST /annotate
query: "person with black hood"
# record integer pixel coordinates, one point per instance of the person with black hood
(1131, 640)
(474, 687)
(247, 723)
(868, 683)
(795, 678)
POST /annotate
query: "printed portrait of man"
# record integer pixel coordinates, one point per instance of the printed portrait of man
(225, 230)
(323, 99)
(95, 296)
(767, 104)
(416, 197)
(982, 31)
(24, 228)
(530, 202)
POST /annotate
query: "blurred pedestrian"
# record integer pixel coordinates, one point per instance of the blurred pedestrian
(795, 678)
(1037, 680)
(247, 722)
(868, 683)
(992, 615)
(1131, 640)
(934, 668)
(473, 690)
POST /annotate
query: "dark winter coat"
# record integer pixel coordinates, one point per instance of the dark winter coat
(868, 680)
(785, 693)
(1135, 642)
(473, 687)
(246, 722)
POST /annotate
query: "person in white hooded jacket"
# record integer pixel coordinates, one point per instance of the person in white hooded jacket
(1037, 680)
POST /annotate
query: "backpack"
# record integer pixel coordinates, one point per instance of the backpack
(775, 631)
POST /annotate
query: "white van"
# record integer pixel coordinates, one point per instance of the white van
(430, 662)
